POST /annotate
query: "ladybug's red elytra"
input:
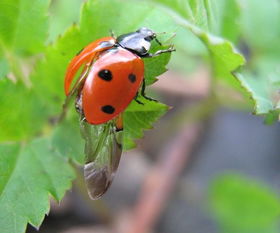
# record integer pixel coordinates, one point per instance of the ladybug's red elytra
(115, 72)
(112, 74)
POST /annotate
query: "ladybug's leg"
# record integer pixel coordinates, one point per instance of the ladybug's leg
(138, 101)
(143, 92)
(169, 50)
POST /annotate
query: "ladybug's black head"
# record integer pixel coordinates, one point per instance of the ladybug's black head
(138, 42)
(147, 33)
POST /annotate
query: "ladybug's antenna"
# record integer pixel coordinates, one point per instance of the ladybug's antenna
(158, 41)
(112, 34)
(159, 33)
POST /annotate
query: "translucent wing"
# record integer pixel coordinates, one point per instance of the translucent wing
(103, 151)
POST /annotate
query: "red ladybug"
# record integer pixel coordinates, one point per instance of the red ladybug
(112, 74)
(115, 72)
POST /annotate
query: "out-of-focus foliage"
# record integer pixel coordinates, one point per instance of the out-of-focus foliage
(19, 20)
(241, 205)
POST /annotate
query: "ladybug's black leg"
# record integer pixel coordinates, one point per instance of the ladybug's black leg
(138, 101)
(169, 50)
(143, 92)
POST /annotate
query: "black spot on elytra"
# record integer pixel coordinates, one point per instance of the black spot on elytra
(105, 75)
(109, 109)
(132, 78)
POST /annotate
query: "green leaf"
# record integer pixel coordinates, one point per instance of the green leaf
(21, 114)
(263, 83)
(23, 25)
(261, 29)
(244, 206)
(139, 117)
(23, 31)
(262, 77)
(222, 17)
(225, 58)
(4, 67)
(229, 19)
(29, 175)
(63, 13)
(156, 66)
(68, 141)
(49, 73)
(259, 90)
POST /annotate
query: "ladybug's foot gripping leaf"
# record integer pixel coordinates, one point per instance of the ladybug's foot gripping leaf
(149, 98)
(169, 50)
(138, 101)
(143, 92)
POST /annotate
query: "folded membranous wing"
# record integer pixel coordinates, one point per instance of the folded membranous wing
(103, 151)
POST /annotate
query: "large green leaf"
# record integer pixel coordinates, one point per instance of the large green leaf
(21, 114)
(241, 205)
(68, 141)
(23, 31)
(29, 175)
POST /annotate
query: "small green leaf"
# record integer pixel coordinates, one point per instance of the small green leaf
(263, 85)
(30, 174)
(241, 205)
(138, 117)
(258, 89)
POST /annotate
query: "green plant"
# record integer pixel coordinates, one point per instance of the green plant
(35, 153)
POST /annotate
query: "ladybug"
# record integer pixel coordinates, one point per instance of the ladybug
(112, 74)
